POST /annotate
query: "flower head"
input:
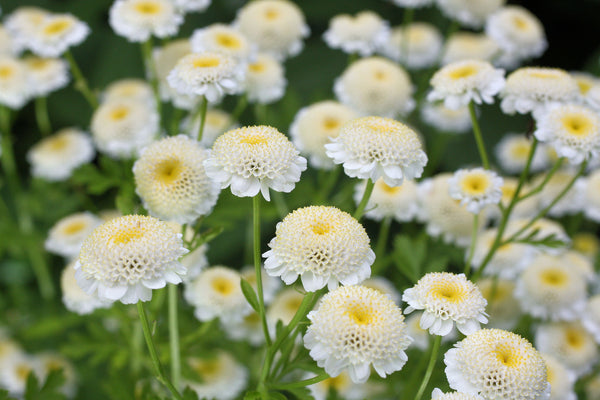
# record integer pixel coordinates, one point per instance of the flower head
(21, 25)
(127, 257)
(68, 233)
(469, 13)
(322, 245)
(15, 82)
(497, 364)
(223, 39)
(503, 309)
(137, 20)
(254, 158)
(218, 377)
(417, 45)
(74, 298)
(165, 59)
(461, 82)
(363, 33)
(56, 33)
(512, 153)
(265, 80)
(448, 120)
(375, 86)
(376, 147)
(129, 89)
(399, 202)
(47, 74)
(469, 46)
(475, 188)
(170, 179)
(355, 327)
(447, 299)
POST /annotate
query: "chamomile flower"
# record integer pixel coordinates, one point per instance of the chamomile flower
(551, 289)
(74, 298)
(419, 335)
(22, 23)
(571, 202)
(570, 343)
(129, 89)
(126, 257)
(46, 74)
(9, 350)
(55, 157)
(171, 180)
(165, 59)
(138, 20)
(192, 5)
(399, 202)
(223, 39)
(364, 33)
(342, 385)
(377, 147)
(56, 33)
(15, 82)
(503, 309)
(355, 327)
(375, 86)
(219, 377)
(417, 46)
(475, 188)
(519, 34)
(447, 299)
(216, 292)
(283, 307)
(469, 13)
(588, 85)
(14, 374)
(562, 381)
(590, 318)
(526, 208)
(121, 128)
(469, 46)
(67, 234)
(448, 120)
(265, 80)
(216, 123)
(512, 152)
(275, 26)
(591, 196)
(254, 158)
(572, 130)
(208, 74)
(497, 364)
(412, 3)
(530, 89)
(321, 245)
(586, 243)
(314, 125)
(437, 394)
(461, 82)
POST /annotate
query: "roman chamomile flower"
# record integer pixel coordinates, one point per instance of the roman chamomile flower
(127, 257)
(171, 181)
(417, 45)
(322, 245)
(475, 188)
(469, 13)
(265, 80)
(217, 376)
(254, 158)
(399, 202)
(376, 147)
(223, 39)
(447, 299)
(466, 45)
(364, 33)
(46, 74)
(461, 82)
(56, 33)
(67, 234)
(208, 74)
(15, 82)
(138, 20)
(355, 327)
(497, 365)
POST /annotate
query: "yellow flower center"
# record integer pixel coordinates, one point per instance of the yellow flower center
(554, 277)
(520, 150)
(6, 71)
(23, 371)
(380, 75)
(215, 119)
(585, 243)
(475, 184)
(206, 62)
(222, 285)
(389, 189)
(508, 192)
(228, 41)
(148, 7)
(584, 85)
(74, 227)
(253, 139)
(361, 314)
(293, 304)
(56, 27)
(321, 228)
(119, 113)
(168, 171)
(338, 383)
(521, 23)
(543, 74)
(331, 123)
(38, 63)
(506, 355)
(574, 338)
(577, 124)
(206, 369)
(462, 72)
(448, 291)
(126, 234)
(271, 14)
(57, 143)
(257, 67)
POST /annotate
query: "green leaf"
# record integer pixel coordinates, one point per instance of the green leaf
(189, 394)
(252, 395)
(276, 396)
(249, 294)
(50, 390)
(301, 393)
(409, 255)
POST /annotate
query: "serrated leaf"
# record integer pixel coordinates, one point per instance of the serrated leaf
(189, 394)
(276, 396)
(301, 393)
(249, 294)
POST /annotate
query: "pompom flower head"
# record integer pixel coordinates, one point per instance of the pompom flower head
(170, 179)
(255, 158)
(446, 299)
(475, 188)
(377, 147)
(355, 327)
(127, 257)
(364, 33)
(137, 20)
(15, 82)
(67, 235)
(498, 365)
(56, 33)
(322, 245)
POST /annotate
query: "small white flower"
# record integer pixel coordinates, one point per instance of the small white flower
(364, 33)
(503, 309)
(572, 201)
(265, 80)
(47, 74)
(442, 118)
(137, 20)
(462, 46)
(21, 25)
(67, 234)
(512, 152)
(165, 58)
(399, 202)
(224, 39)
(417, 46)
(475, 188)
(469, 13)
(342, 385)
(56, 33)
(15, 82)
(218, 377)
(216, 123)
(129, 89)
(74, 298)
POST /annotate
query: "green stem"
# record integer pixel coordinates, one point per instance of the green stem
(407, 19)
(544, 182)
(240, 107)
(365, 199)
(436, 347)
(257, 267)
(327, 184)
(280, 205)
(150, 68)
(478, 137)
(382, 238)
(260, 114)
(40, 269)
(302, 383)
(136, 347)
(474, 232)
(80, 81)
(41, 115)
(158, 369)
(174, 336)
(203, 108)
(175, 120)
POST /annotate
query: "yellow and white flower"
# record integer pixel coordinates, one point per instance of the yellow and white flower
(475, 188)
(417, 46)
(466, 45)
(67, 234)
(265, 80)
(469, 13)
(56, 33)
(224, 39)
(219, 376)
(362, 34)
(15, 82)
(447, 120)
(138, 20)
(46, 74)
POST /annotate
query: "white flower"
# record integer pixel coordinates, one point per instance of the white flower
(15, 82)
(375, 86)
(216, 123)
(254, 158)
(56, 33)
(74, 298)
(137, 20)
(55, 157)
(342, 385)
(512, 152)
(417, 46)
(165, 58)
(364, 33)
(591, 196)
(224, 39)
(127, 257)
(399, 202)
(47, 74)
(572, 130)
(16, 370)
(21, 25)
(219, 377)
(445, 119)
(51, 361)
(447, 299)
(129, 89)
(497, 364)
(475, 188)
(461, 82)
(171, 180)
(590, 318)
(355, 327)
(469, 46)
(265, 80)
(67, 234)
(503, 309)
(376, 147)
(562, 381)
(208, 74)
(469, 13)
(322, 245)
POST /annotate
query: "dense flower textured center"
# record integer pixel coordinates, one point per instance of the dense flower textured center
(169, 171)
(362, 314)
(229, 41)
(475, 184)
(577, 124)
(222, 285)
(555, 277)
(127, 233)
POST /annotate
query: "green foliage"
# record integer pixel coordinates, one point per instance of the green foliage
(250, 294)
(49, 390)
